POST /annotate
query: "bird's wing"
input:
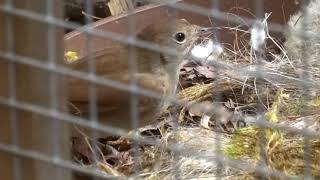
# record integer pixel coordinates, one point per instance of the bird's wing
(113, 105)
(108, 60)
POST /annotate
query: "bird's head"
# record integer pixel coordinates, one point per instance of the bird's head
(179, 36)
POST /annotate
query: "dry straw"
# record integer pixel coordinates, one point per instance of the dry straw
(276, 95)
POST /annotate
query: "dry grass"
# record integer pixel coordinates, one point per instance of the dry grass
(278, 97)
(283, 102)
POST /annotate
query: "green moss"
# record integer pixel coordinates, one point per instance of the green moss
(298, 107)
(284, 151)
(244, 143)
(293, 107)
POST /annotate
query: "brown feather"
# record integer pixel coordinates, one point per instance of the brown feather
(153, 74)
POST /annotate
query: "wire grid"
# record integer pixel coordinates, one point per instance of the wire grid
(92, 122)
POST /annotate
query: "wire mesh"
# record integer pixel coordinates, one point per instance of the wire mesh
(56, 116)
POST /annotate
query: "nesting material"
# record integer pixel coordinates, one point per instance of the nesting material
(303, 41)
(276, 96)
(258, 35)
(206, 48)
(200, 147)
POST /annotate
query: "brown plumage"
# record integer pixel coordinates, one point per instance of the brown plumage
(156, 71)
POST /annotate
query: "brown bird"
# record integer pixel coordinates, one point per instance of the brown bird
(155, 71)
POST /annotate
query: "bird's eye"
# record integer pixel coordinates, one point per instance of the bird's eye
(180, 37)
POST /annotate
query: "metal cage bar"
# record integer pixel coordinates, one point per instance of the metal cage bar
(52, 156)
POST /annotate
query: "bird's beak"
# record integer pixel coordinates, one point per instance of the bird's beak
(206, 31)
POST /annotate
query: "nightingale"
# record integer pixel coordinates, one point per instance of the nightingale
(156, 71)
